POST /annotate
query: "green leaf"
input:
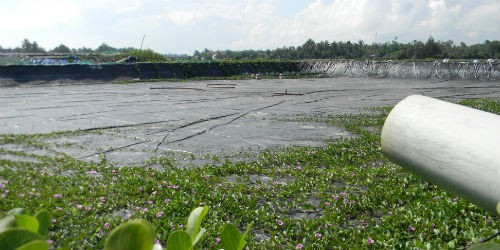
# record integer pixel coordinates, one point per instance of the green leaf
(194, 223)
(179, 240)
(35, 245)
(247, 230)
(6, 222)
(18, 210)
(242, 240)
(45, 220)
(485, 246)
(230, 237)
(198, 236)
(451, 244)
(27, 222)
(14, 238)
(134, 235)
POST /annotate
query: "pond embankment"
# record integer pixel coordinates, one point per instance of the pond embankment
(85, 73)
(18, 74)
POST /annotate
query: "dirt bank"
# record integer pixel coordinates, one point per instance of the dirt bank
(37, 74)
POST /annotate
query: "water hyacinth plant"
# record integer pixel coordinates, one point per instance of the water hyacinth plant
(342, 195)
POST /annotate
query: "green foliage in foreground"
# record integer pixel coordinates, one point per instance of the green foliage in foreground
(21, 231)
(344, 195)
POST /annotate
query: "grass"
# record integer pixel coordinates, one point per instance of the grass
(343, 195)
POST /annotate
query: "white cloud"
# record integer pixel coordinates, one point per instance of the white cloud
(130, 6)
(480, 22)
(183, 17)
(38, 15)
(185, 26)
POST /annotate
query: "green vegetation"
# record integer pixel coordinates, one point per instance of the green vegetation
(488, 105)
(415, 50)
(20, 231)
(341, 196)
(142, 56)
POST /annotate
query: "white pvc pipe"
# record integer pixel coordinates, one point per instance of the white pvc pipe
(453, 146)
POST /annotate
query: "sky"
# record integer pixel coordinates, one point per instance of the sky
(183, 26)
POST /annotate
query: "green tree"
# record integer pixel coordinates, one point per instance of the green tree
(104, 48)
(432, 48)
(492, 48)
(85, 50)
(61, 49)
(307, 49)
(28, 47)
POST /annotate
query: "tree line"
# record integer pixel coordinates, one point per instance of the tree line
(33, 47)
(415, 50)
